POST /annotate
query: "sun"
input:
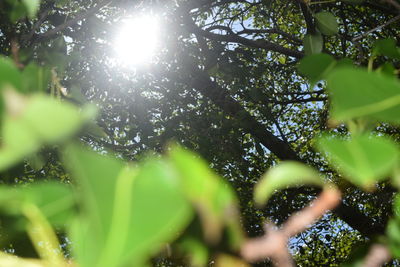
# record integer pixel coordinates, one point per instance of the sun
(137, 40)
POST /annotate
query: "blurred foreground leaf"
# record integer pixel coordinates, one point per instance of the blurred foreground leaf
(288, 173)
(357, 93)
(212, 197)
(363, 160)
(128, 213)
(34, 121)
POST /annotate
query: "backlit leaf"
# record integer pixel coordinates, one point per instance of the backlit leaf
(363, 160)
(286, 174)
(129, 213)
(357, 93)
(214, 200)
(32, 6)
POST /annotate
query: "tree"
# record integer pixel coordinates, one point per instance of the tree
(225, 84)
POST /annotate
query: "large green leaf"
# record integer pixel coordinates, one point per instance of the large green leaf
(159, 210)
(316, 67)
(9, 74)
(35, 121)
(393, 234)
(35, 78)
(51, 119)
(96, 176)
(288, 173)
(386, 47)
(327, 23)
(196, 251)
(214, 199)
(363, 160)
(18, 10)
(55, 200)
(129, 212)
(32, 7)
(357, 93)
(313, 43)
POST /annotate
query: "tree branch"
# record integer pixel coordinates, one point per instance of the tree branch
(79, 17)
(232, 38)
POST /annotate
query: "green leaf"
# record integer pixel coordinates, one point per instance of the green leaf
(214, 200)
(35, 79)
(356, 93)
(393, 233)
(315, 67)
(35, 121)
(36, 162)
(226, 260)
(386, 47)
(96, 176)
(32, 6)
(196, 250)
(160, 211)
(50, 119)
(387, 69)
(18, 11)
(288, 173)
(54, 199)
(313, 43)
(9, 74)
(363, 160)
(128, 213)
(327, 23)
(95, 131)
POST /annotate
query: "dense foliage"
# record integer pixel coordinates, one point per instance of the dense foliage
(245, 84)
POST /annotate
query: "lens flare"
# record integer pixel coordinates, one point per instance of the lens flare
(137, 40)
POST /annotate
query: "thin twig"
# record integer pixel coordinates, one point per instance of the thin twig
(274, 243)
(361, 36)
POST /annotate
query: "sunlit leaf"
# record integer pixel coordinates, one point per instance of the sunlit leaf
(363, 160)
(214, 200)
(129, 213)
(393, 233)
(224, 260)
(197, 251)
(288, 173)
(55, 200)
(51, 119)
(10, 260)
(9, 74)
(97, 177)
(34, 121)
(159, 210)
(356, 93)
(32, 6)
(35, 79)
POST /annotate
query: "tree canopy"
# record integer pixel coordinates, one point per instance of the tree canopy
(246, 84)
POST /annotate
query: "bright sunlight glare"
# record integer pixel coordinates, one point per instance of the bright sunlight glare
(137, 40)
